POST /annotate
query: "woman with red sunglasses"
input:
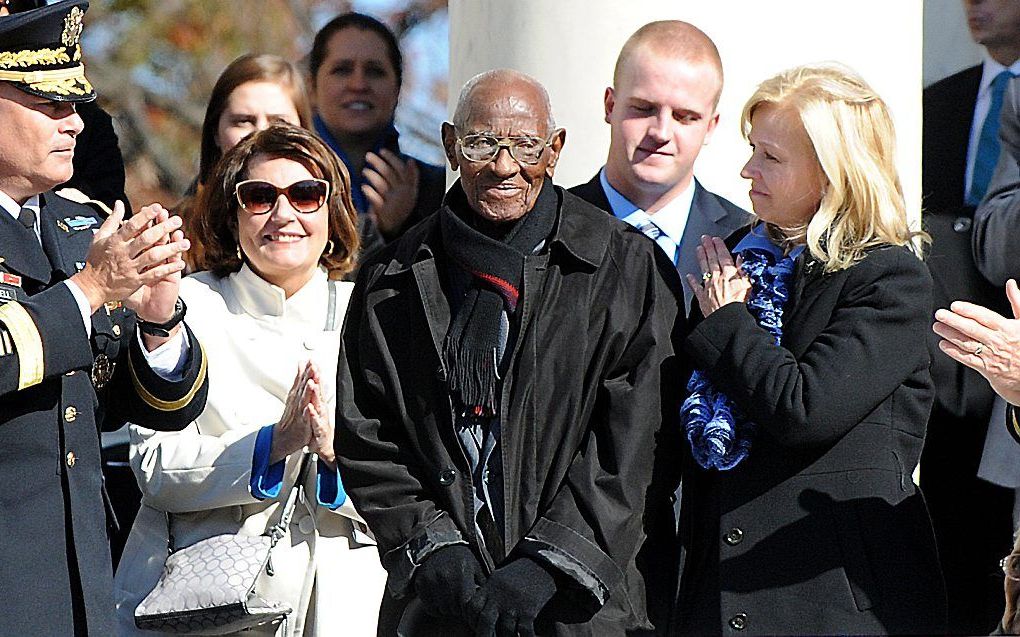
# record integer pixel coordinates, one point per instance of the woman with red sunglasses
(280, 232)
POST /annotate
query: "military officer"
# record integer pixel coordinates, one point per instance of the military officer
(91, 335)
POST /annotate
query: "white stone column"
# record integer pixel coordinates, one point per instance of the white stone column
(571, 47)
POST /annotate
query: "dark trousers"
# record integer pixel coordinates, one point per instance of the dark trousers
(973, 522)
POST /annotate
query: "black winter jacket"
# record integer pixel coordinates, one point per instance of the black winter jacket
(591, 381)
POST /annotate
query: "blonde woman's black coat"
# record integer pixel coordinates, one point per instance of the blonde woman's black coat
(821, 529)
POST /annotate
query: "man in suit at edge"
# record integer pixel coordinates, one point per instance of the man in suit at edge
(90, 335)
(662, 110)
(972, 517)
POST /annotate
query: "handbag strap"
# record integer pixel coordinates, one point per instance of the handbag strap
(331, 325)
(278, 529)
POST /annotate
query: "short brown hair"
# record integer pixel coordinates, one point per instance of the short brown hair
(671, 39)
(215, 229)
(248, 68)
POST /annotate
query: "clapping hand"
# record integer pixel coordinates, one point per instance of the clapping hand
(306, 419)
(722, 281)
(320, 420)
(391, 189)
(137, 261)
(985, 341)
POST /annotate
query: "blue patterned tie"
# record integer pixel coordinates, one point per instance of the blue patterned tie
(652, 231)
(988, 143)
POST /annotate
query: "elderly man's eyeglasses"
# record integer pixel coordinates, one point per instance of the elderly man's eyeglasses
(1011, 566)
(258, 197)
(525, 149)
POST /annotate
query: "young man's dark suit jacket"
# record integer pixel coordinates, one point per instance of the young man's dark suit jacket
(972, 517)
(55, 572)
(711, 215)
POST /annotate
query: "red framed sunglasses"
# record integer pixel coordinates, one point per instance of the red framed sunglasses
(258, 197)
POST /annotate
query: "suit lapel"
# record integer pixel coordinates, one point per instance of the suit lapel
(593, 193)
(706, 217)
(53, 238)
(808, 285)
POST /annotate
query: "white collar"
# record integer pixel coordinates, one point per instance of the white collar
(261, 298)
(671, 219)
(991, 68)
(14, 208)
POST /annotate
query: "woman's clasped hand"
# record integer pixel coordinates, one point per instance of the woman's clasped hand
(306, 420)
(722, 280)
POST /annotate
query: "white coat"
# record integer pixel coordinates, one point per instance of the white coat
(327, 567)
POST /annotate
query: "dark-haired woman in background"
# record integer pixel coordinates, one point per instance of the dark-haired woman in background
(356, 70)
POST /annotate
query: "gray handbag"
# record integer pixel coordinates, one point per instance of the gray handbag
(212, 587)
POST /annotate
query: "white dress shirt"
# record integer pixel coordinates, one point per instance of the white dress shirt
(671, 219)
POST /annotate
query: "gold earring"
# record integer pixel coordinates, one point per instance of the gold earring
(239, 256)
(329, 247)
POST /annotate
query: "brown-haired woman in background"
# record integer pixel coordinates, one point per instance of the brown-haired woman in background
(279, 231)
(253, 92)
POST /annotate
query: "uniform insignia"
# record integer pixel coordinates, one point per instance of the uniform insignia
(79, 265)
(112, 305)
(7, 294)
(102, 370)
(72, 28)
(77, 223)
(10, 279)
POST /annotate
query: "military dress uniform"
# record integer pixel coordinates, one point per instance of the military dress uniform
(61, 383)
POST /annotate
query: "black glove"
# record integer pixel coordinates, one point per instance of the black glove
(508, 603)
(447, 580)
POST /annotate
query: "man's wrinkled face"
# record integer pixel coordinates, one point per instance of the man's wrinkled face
(503, 189)
(37, 140)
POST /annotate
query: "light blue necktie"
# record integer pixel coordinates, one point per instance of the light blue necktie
(653, 232)
(988, 143)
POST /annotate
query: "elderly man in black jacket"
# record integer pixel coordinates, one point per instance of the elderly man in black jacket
(505, 377)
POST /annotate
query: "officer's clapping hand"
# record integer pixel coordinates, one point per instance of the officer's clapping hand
(144, 251)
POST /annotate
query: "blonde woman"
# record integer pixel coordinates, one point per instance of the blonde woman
(807, 411)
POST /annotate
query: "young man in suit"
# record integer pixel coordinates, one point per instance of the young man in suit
(90, 336)
(972, 517)
(662, 110)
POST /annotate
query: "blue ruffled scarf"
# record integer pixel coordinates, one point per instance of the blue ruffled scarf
(719, 434)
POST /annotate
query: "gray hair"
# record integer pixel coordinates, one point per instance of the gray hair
(463, 110)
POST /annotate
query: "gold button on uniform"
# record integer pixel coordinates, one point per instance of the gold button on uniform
(116, 330)
(71, 458)
(70, 413)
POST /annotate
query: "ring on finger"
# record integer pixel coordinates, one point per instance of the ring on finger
(705, 276)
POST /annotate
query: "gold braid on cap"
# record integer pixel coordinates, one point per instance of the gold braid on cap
(43, 57)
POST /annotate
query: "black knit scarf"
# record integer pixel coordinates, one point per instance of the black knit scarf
(497, 270)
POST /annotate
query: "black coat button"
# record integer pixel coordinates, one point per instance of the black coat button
(738, 621)
(447, 476)
(734, 536)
